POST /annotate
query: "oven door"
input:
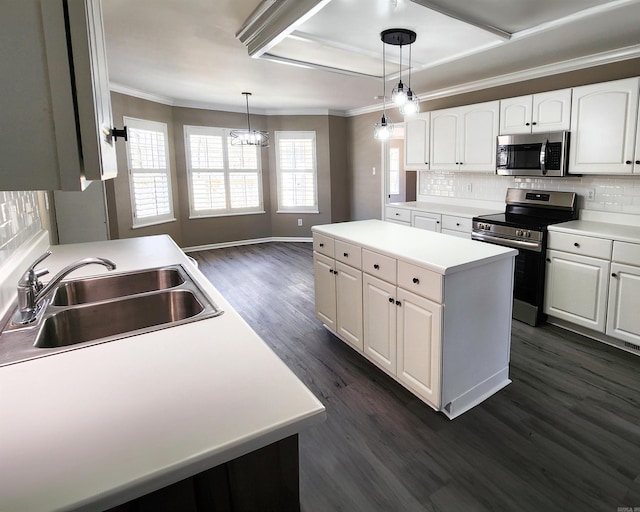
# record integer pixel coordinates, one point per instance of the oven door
(528, 278)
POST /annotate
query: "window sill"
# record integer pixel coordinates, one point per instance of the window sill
(226, 214)
(298, 211)
(153, 223)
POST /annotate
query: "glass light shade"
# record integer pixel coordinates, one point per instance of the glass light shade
(249, 138)
(399, 95)
(382, 130)
(412, 105)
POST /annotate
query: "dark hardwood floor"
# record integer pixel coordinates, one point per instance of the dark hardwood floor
(564, 436)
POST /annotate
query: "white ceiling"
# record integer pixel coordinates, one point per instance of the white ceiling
(185, 52)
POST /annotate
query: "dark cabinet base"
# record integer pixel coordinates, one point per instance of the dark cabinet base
(264, 480)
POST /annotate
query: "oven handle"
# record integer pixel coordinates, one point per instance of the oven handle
(543, 157)
(517, 244)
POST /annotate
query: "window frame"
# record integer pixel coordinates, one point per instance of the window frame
(297, 134)
(157, 126)
(229, 210)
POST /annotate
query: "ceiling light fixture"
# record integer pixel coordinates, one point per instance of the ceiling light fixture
(412, 105)
(399, 37)
(383, 129)
(249, 137)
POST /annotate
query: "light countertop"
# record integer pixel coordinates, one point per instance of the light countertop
(447, 208)
(610, 231)
(441, 253)
(98, 426)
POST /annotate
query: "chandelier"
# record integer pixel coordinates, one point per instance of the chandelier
(249, 137)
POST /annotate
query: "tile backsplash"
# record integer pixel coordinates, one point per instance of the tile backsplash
(19, 220)
(620, 194)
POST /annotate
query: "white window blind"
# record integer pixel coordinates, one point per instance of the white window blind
(296, 171)
(149, 173)
(223, 178)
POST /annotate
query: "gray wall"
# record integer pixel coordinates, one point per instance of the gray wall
(333, 186)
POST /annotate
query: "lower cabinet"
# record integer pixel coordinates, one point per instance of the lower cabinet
(623, 320)
(426, 220)
(391, 308)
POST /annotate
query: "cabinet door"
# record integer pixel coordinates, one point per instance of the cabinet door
(325, 289)
(349, 304)
(603, 127)
(515, 115)
(444, 137)
(623, 320)
(379, 301)
(477, 137)
(428, 221)
(419, 345)
(576, 289)
(416, 142)
(551, 111)
(92, 89)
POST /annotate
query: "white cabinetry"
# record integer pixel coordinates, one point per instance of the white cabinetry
(623, 320)
(426, 220)
(457, 226)
(416, 142)
(604, 123)
(464, 138)
(536, 113)
(577, 279)
(397, 215)
(55, 100)
(338, 287)
(450, 353)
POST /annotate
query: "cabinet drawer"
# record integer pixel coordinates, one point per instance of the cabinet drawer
(323, 244)
(625, 252)
(579, 244)
(348, 253)
(393, 213)
(456, 223)
(420, 281)
(459, 234)
(379, 265)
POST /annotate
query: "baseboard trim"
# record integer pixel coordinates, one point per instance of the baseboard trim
(208, 247)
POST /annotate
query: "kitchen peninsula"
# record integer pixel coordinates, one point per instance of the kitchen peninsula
(431, 310)
(96, 427)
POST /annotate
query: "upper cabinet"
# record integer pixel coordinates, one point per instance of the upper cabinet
(464, 138)
(416, 140)
(604, 123)
(57, 129)
(536, 113)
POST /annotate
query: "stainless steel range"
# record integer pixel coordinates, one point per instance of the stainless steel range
(523, 226)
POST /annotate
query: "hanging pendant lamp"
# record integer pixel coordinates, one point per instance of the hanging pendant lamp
(412, 105)
(399, 37)
(249, 137)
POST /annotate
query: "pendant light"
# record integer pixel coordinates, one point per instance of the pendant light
(399, 37)
(383, 129)
(249, 137)
(412, 105)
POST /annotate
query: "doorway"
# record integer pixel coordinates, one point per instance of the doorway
(399, 184)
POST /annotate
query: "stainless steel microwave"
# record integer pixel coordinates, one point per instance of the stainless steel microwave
(534, 154)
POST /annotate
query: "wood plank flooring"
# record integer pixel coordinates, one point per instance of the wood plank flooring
(564, 436)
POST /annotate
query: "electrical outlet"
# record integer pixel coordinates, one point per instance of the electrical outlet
(591, 194)
(469, 187)
(299, 222)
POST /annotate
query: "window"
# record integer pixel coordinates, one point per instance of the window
(296, 171)
(394, 171)
(149, 173)
(224, 179)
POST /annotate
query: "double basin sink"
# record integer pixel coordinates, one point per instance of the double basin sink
(87, 311)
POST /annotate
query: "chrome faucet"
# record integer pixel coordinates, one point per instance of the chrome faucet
(31, 291)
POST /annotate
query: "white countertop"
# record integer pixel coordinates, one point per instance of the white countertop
(97, 426)
(447, 209)
(616, 232)
(441, 253)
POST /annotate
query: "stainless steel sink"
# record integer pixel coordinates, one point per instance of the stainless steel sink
(117, 317)
(85, 312)
(110, 286)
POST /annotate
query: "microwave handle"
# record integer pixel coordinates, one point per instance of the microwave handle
(543, 157)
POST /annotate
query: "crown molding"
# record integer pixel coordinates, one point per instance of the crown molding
(598, 59)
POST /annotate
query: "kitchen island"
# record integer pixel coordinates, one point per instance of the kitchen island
(431, 310)
(96, 427)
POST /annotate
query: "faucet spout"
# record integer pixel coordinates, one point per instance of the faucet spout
(31, 291)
